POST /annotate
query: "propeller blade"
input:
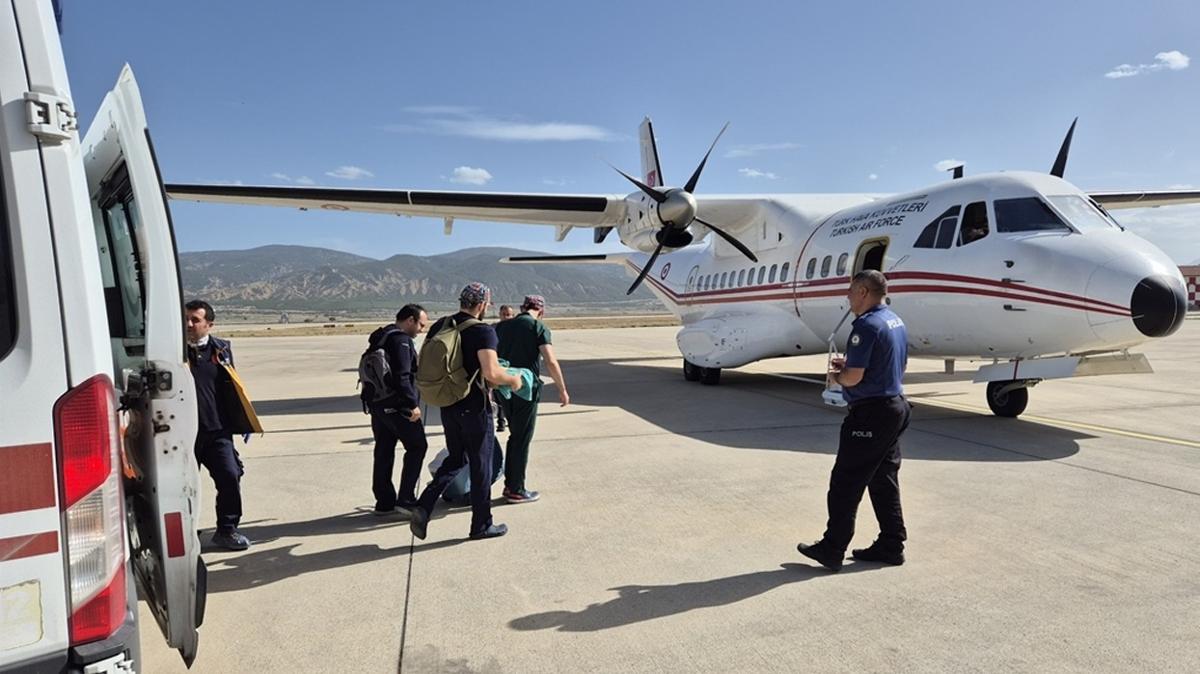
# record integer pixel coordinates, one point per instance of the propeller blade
(732, 241)
(657, 196)
(691, 183)
(1060, 162)
(645, 269)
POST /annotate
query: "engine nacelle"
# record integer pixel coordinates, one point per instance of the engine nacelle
(643, 224)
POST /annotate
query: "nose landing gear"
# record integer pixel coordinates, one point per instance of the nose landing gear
(1009, 398)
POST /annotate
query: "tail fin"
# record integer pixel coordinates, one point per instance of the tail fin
(651, 169)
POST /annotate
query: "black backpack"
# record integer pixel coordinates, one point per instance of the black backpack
(374, 370)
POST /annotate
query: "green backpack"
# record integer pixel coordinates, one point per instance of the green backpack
(441, 378)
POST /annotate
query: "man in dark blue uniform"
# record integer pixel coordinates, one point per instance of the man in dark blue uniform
(397, 417)
(468, 423)
(214, 440)
(868, 456)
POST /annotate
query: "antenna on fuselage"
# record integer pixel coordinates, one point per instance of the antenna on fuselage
(958, 171)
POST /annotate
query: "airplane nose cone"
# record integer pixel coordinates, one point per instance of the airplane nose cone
(1158, 306)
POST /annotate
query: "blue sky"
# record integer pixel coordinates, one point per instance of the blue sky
(535, 96)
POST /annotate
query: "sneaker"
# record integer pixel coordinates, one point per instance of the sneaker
(521, 496)
(418, 523)
(494, 531)
(880, 552)
(824, 555)
(230, 540)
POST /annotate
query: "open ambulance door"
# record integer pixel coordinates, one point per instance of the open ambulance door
(143, 298)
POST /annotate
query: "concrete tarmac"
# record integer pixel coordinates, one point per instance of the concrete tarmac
(1065, 540)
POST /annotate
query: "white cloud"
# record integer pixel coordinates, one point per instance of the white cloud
(555, 183)
(466, 175)
(755, 173)
(1165, 60)
(873, 176)
(300, 180)
(751, 150)
(350, 173)
(947, 164)
(454, 120)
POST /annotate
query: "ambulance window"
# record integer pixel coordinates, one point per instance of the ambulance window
(121, 267)
(825, 265)
(741, 278)
(724, 275)
(783, 272)
(8, 302)
(762, 274)
(771, 276)
(812, 268)
(940, 231)
(841, 266)
(1028, 214)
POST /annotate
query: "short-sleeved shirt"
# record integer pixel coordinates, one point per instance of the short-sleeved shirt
(474, 338)
(521, 339)
(879, 343)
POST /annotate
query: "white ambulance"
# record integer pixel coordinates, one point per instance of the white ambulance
(99, 489)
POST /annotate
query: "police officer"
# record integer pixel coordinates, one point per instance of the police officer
(868, 455)
(468, 422)
(525, 340)
(214, 440)
(398, 417)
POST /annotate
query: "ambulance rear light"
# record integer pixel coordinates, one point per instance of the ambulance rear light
(85, 422)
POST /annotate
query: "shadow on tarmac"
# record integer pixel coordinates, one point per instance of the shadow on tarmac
(639, 603)
(756, 411)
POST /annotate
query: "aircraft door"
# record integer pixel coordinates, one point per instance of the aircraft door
(871, 255)
(143, 295)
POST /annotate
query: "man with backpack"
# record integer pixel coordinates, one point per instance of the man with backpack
(386, 373)
(458, 361)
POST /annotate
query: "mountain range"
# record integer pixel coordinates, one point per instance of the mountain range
(306, 278)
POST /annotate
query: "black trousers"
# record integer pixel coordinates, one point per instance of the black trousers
(868, 458)
(388, 429)
(470, 441)
(215, 451)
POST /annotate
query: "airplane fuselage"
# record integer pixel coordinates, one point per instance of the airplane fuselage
(1050, 274)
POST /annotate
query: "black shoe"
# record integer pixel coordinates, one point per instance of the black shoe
(491, 532)
(231, 540)
(881, 552)
(420, 519)
(823, 554)
(383, 511)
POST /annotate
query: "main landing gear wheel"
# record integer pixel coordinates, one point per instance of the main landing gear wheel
(691, 372)
(1010, 403)
(710, 376)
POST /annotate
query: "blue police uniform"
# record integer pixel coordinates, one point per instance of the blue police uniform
(468, 425)
(868, 455)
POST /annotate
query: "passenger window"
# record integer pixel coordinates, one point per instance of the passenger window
(975, 223)
(741, 278)
(843, 260)
(762, 275)
(1028, 214)
(812, 268)
(707, 281)
(8, 300)
(771, 277)
(783, 272)
(940, 232)
(121, 269)
(825, 265)
(724, 275)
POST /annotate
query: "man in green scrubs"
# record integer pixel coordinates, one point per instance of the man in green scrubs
(522, 340)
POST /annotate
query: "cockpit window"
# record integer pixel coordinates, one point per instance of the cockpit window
(940, 232)
(1081, 214)
(1027, 214)
(975, 223)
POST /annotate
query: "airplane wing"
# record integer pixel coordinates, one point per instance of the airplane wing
(1145, 199)
(542, 209)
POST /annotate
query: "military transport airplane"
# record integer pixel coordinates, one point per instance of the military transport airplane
(1018, 268)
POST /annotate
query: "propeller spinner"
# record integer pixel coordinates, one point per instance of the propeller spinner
(677, 210)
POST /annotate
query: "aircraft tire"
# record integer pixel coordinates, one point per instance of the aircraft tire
(1010, 404)
(710, 376)
(691, 372)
